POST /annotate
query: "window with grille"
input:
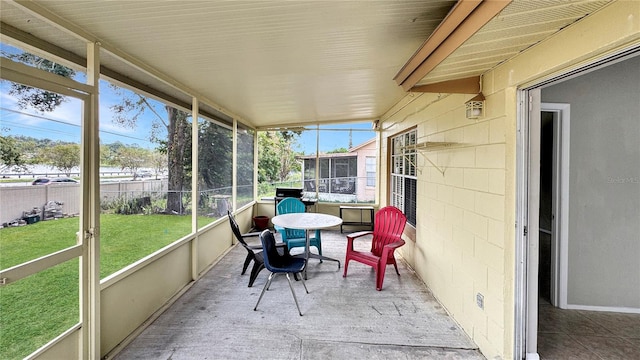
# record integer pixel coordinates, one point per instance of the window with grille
(370, 169)
(403, 174)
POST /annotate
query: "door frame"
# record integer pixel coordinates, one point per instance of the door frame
(87, 245)
(528, 221)
(528, 239)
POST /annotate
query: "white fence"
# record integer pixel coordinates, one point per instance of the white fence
(15, 200)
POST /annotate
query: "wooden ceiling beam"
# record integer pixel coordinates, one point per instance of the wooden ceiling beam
(470, 85)
(464, 20)
(455, 17)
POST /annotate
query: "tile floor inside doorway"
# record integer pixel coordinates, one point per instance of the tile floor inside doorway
(585, 335)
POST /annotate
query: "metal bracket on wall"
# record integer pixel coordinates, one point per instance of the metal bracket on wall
(432, 163)
(431, 146)
(429, 160)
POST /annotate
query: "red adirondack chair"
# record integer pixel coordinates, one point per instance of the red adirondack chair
(388, 225)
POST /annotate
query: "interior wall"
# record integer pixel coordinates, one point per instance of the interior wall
(604, 185)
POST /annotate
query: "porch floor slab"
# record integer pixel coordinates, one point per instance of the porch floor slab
(343, 318)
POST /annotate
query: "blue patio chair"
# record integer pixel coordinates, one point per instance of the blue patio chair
(293, 237)
(278, 263)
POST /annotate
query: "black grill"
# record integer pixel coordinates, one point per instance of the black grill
(297, 193)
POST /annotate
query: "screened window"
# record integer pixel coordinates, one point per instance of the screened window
(39, 219)
(403, 174)
(145, 176)
(327, 161)
(245, 165)
(215, 169)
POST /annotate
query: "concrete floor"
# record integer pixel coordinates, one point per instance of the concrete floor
(344, 318)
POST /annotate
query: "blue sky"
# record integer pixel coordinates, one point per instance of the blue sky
(64, 122)
(335, 136)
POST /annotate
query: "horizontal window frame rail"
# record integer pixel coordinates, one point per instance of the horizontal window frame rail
(21, 271)
(149, 259)
(23, 74)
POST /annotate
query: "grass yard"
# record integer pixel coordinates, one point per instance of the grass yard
(36, 309)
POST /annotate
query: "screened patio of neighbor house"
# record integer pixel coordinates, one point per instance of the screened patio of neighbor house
(167, 115)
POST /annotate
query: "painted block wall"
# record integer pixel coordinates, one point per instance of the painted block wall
(464, 239)
(459, 248)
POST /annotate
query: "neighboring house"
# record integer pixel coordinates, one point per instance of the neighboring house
(344, 177)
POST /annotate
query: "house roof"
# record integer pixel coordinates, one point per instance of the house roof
(285, 63)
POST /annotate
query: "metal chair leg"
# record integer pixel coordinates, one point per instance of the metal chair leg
(293, 292)
(269, 282)
(303, 283)
(266, 285)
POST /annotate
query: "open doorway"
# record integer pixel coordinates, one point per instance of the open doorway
(580, 235)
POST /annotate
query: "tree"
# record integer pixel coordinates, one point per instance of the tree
(158, 162)
(109, 153)
(215, 146)
(132, 159)
(41, 100)
(177, 145)
(64, 157)
(10, 155)
(276, 157)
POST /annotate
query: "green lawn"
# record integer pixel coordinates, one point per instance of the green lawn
(36, 309)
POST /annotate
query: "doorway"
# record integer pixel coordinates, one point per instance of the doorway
(603, 208)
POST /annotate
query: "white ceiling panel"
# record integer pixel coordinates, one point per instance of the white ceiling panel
(268, 62)
(285, 62)
(519, 26)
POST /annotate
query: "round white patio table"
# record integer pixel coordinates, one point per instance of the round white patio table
(308, 222)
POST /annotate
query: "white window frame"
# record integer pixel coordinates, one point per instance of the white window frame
(403, 166)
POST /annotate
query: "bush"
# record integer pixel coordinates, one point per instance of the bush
(124, 206)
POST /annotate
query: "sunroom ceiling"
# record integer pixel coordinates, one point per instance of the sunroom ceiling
(279, 63)
(268, 62)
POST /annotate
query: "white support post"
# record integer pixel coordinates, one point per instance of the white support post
(234, 161)
(90, 213)
(195, 114)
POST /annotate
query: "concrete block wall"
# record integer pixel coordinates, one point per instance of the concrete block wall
(464, 239)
